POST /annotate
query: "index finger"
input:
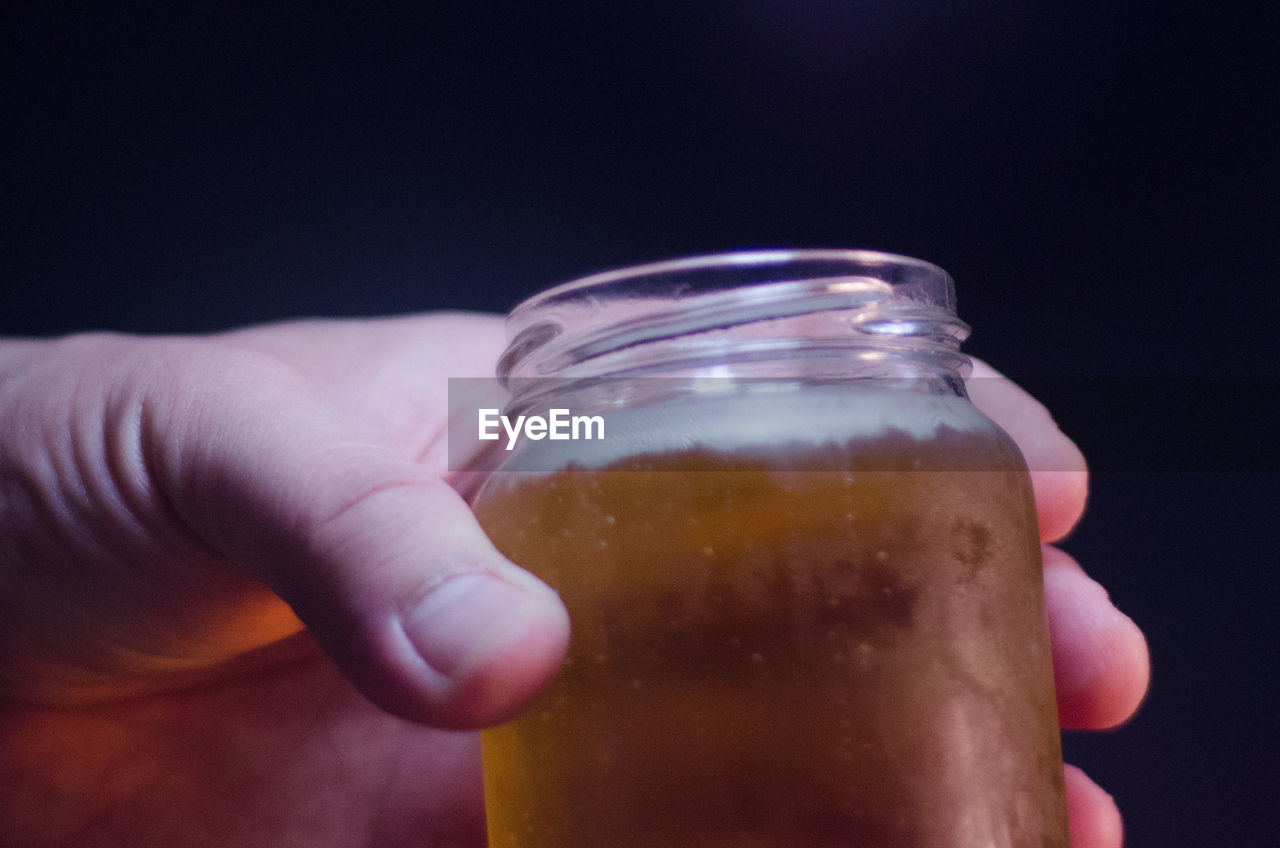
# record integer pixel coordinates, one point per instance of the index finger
(1059, 475)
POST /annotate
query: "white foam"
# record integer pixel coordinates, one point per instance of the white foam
(739, 422)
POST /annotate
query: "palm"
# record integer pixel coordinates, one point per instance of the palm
(292, 756)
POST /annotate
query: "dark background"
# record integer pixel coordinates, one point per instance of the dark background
(1101, 178)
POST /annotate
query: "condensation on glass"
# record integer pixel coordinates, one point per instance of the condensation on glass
(802, 570)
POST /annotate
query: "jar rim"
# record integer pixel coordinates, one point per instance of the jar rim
(755, 303)
(740, 260)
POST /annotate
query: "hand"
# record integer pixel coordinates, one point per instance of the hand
(173, 510)
(160, 497)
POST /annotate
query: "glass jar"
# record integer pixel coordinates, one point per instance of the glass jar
(802, 570)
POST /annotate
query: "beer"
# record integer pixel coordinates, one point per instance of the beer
(802, 570)
(787, 644)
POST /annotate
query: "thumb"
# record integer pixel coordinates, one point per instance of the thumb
(381, 559)
(405, 592)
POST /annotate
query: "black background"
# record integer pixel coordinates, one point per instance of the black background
(1101, 178)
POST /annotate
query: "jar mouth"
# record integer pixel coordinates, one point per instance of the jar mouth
(708, 272)
(740, 306)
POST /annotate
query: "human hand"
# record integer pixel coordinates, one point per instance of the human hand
(160, 497)
(173, 510)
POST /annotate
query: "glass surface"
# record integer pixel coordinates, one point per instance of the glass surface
(783, 635)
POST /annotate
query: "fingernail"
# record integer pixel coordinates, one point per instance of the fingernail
(469, 616)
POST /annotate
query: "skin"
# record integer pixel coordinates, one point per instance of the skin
(172, 510)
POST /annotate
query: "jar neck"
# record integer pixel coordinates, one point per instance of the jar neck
(808, 316)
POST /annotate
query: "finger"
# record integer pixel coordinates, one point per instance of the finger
(1092, 814)
(384, 562)
(391, 376)
(1100, 661)
(1058, 471)
(392, 399)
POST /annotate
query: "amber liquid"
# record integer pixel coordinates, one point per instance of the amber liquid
(849, 655)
